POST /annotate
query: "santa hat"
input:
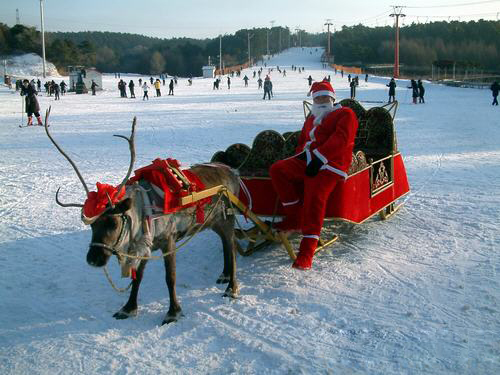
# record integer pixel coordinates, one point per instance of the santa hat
(323, 88)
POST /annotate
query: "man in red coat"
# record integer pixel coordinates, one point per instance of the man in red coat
(305, 181)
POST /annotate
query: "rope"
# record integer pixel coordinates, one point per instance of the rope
(119, 290)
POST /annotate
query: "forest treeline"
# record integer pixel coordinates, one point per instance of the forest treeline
(476, 43)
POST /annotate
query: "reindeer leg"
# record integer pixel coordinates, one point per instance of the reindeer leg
(174, 311)
(226, 234)
(130, 308)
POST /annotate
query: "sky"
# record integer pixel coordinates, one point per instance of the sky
(203, 19)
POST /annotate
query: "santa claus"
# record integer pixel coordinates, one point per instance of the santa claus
(305, 181)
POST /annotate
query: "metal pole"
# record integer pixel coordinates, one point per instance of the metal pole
(43, 36)
(328, 23)
(397, 13)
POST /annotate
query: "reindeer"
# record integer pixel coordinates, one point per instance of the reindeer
(125, 228)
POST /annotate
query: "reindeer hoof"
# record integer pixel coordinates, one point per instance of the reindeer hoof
(223, 279)
(122, 314)
(171, 318)
(232, 293)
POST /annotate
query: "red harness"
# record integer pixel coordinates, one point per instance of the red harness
(174, 183)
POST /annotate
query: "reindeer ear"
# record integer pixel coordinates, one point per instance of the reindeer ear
(124, 205)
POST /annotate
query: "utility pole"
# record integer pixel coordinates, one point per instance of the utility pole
(249, 58)
(328, 24)
(43, 36)
(18, 22)
(397, 13)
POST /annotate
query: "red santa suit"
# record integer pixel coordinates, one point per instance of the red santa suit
(326, 142)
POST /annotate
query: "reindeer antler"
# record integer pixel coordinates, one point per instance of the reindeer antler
(132, 154)
(66, 204)
(47, 113)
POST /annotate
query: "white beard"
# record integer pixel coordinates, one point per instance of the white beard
(321, 110)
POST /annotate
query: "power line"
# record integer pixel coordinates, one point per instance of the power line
(456, 5)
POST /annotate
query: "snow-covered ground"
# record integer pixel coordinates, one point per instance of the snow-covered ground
(417, 294)
(26, 65)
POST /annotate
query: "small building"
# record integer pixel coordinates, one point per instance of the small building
(208, 71)
(80, 79)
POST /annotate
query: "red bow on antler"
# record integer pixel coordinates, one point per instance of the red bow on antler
(97, 201)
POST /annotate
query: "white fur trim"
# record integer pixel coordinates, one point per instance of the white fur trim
(334, 170)
(320, 156)
(290, 203)
(323, 93)
(311, 236)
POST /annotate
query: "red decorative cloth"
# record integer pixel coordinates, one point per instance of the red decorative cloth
(160, 174)
(97, 201)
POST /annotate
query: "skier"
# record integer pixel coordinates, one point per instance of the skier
(349, 78)
(56, 88)
(353, 88)
(246, 80)
(93, 87)
(63, 87)
(228, 83)
(140, 82)
(31, 102)
(414, 93)
(38, 85)
(259, 81)
(171, 87)
(310, 80)
(305, 181)
(392, 90)
(268, 88)
(145, 88)
(366, 77)
(131, 85)
(421, 91)
(157, 87)
(495, 88)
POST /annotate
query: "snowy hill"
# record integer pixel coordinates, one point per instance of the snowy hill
(417, 294)
(29, 65)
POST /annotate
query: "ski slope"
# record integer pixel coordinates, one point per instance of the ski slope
(417, 294)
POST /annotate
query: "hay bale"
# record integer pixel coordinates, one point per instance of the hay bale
(219, 157)
(236, 154)
(291, 143)
(267, 148)
(355, 106)
(380, 131)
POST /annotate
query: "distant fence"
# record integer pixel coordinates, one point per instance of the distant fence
(348, 69)
(229, 69)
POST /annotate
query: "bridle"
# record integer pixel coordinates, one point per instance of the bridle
(125, 223)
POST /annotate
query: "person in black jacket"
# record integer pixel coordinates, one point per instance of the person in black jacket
(131, 86)
(421, 91)
(414, 93)
(171, 87)
(495, 88)
(32, 107)
(392, 90)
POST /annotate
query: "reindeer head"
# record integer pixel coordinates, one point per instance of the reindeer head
(111, 220)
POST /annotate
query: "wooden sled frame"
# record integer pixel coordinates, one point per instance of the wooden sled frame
(261, 234)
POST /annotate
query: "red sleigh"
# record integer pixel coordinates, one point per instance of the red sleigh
(376, 180)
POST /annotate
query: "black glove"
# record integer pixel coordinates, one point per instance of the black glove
(313, 167)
